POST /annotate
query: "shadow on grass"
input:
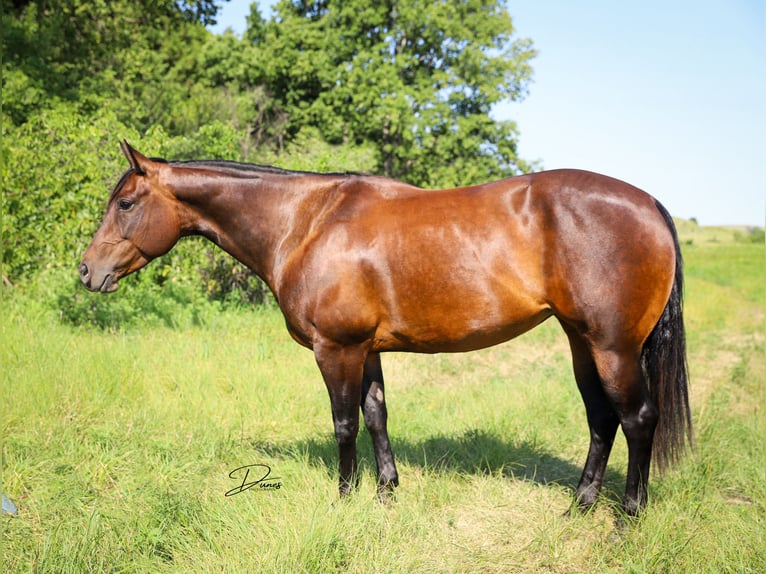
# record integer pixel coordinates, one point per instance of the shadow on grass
(474, 452)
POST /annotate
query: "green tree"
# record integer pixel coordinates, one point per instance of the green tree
(417, 78)
(80, 50)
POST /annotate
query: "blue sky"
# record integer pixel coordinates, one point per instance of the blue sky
(669, 95)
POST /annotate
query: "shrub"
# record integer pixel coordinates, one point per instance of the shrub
(58, 170)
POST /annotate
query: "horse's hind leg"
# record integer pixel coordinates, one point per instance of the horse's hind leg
(375, 418)
(602, 421)
(626, 388)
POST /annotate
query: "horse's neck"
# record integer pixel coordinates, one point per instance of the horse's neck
(257, 220)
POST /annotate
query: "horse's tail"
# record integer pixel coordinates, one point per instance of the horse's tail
(664, 362)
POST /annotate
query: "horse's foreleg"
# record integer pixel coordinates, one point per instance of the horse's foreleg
(375, 417)
(342, 368)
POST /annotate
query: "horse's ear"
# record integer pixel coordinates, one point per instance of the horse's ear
(138, 162)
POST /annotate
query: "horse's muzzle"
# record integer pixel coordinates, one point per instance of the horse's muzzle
(105, 284)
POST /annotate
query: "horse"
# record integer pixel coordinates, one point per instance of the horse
(361, 265)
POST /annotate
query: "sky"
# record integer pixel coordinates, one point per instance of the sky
(669, 95)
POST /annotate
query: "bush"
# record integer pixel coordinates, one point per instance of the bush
(58, 170)
(752, 235)
(140, 301)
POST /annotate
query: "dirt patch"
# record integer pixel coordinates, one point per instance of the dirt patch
(529, 534)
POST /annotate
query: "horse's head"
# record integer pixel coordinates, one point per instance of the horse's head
(141, 222)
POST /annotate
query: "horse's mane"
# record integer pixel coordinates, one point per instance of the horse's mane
(250, 169)
(231, 168)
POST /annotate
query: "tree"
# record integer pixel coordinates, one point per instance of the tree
(417, 79)
(89, 51)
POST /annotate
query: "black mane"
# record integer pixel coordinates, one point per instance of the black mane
(233, 168)
(250, 169)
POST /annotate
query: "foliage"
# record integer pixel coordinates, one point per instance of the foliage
(751, 235)
(75, 49)
(54, 166)
(418, 79)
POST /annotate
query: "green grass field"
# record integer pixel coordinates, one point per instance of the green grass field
(117, 449)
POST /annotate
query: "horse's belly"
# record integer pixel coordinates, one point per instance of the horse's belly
(463, 326)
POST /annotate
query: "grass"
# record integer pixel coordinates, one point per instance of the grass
(117, 450)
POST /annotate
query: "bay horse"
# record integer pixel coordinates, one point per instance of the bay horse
(362, 265)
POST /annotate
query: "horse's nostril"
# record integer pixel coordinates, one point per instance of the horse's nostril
(84, 274)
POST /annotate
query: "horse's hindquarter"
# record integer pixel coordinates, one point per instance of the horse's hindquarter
(610, 257)
(428, 271)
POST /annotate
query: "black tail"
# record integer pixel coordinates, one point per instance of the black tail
(664, 362)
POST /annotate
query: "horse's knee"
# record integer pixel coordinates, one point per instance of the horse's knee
(346, 431)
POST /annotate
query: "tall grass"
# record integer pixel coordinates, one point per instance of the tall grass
(117, 450)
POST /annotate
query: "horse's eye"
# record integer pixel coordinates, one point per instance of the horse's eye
(124, 204)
